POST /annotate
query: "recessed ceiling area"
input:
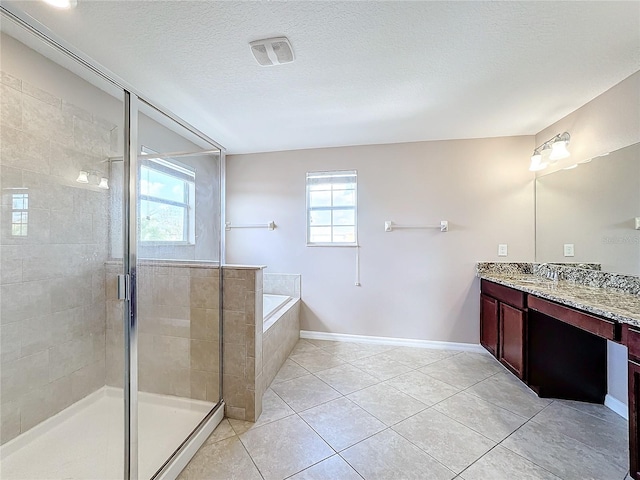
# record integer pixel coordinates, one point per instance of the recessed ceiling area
(365, 72)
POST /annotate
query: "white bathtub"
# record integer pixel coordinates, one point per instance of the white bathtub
(271, 304)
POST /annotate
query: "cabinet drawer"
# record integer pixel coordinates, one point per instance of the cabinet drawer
(507, 295)
(598, 326)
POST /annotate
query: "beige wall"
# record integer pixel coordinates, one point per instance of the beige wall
(416, 284)
(607, 123)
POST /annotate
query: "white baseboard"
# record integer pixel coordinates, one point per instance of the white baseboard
(400, 342)
(173, 469)
(617, 406)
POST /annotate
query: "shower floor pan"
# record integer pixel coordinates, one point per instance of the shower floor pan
(86, 439)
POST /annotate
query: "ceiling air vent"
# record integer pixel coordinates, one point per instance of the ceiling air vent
(272, 51)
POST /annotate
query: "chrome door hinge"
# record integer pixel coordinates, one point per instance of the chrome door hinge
(124, 288)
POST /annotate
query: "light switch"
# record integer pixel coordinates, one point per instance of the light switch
(568, 250)
(637, 223)
(502, 250)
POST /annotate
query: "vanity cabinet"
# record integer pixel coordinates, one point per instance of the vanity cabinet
(503, 319)
(489, 324)
(633, 344)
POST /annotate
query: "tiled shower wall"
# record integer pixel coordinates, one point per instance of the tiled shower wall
(178, 340)
(52, 320)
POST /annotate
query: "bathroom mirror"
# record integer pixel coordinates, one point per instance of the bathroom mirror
(592, 207)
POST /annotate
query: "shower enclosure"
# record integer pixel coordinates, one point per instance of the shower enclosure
(109, 269)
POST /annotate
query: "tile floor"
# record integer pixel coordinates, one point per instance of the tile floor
(343, 411)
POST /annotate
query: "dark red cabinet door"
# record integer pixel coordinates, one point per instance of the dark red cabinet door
(489, 324)
(634, 405)
(512, 341)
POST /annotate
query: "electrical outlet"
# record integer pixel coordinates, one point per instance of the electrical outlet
(502, 250)
(568, 250)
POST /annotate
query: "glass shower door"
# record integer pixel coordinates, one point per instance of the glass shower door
(62, 130)
(177, 284)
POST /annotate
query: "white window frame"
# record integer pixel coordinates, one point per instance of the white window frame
(187, 173)
(309, 209)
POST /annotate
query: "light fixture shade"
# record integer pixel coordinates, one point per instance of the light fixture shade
(559, 150)
(62, 4)
(536, 163)
(83, 177)
(104, 183)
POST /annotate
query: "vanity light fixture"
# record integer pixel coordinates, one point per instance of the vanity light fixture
(83, 177)
(62, 4)
(96, 178)
(550, 151)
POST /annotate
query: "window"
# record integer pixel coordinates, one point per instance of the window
(331, 208)
(167, 197)
(19, 214)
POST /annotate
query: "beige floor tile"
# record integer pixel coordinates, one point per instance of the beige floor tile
(226, 459)
(333, 468)
(503, 464)
(342, 423)
(285, 447)
(381, 367)
(273, 408)
(463, 370)
(506, 391)
(563, 456)
(422, 387)
(611, 438)
(597, 410)
(387, 404)
(346, 378)
(486, 418)
(389, 456)
(222, 432)
(323, 343)
(419, 357)
(349, 351)
(316, 361)
(304, 346)
(288, 371)
(305, 392)
(446, 440)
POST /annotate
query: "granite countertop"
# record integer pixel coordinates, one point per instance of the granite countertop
(605, 302)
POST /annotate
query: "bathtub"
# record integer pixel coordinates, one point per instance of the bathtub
(271, 304)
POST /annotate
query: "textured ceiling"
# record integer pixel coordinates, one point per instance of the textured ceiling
(365, 72)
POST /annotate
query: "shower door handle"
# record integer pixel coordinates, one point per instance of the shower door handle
(124, 288)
